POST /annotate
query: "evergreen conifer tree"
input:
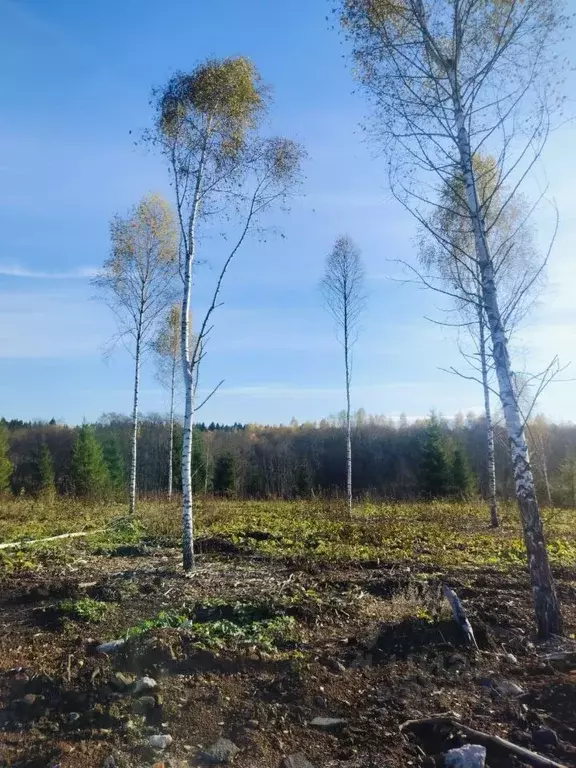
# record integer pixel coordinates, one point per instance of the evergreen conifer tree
(462, 477)
(435, 467)
(5, 463)
(198, 462)
(224, 474)
(45, 484)
(114, 464)
(89, 472)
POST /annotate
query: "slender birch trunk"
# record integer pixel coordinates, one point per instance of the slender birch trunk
(189, 360)
(490, 457)
(348, 420)
(134, 458)
(171, 447)
(546, 606)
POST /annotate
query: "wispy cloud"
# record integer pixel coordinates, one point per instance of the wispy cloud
(14, 270)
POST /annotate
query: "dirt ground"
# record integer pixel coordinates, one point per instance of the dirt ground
(372, 646)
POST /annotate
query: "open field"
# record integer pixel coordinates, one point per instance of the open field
(293, 613)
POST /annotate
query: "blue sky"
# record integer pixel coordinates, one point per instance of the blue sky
(76, 79)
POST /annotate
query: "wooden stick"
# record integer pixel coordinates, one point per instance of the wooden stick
(12, 544)
(486, 740)
(459, 614)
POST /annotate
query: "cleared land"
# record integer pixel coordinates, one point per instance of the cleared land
(293, 613)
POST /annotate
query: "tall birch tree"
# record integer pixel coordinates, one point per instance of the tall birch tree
(343, 290)
(450, 253)
(169, 367)
(451, 79)
(137, 283)
(223, 174)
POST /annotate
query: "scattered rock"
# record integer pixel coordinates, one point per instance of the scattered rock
(222, 751)
(111, 646)
(336, 666)
(330, 724)
(120, 681)
(299, 760)
(545, 737)
(144, 684)
(109, 762)
(252, 724)
(469, 756)
(508, 688)
(320, 701)
(29, 700)
(143, 705)
(159, 741)
(511, 658)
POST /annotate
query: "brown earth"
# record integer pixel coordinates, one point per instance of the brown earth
(372, 647)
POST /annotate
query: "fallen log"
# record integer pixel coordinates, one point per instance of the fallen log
(26, 543)
(484, 739)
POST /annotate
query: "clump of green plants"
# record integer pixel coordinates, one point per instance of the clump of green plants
(17, 560)
(216, 624)
(84, 609)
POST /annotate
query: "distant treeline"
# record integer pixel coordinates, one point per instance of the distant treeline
(392, 458)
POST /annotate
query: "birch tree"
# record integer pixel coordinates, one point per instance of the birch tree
(167, 351)
(451, 79)
(450, 253)
(137, 283)
(223, 174)
(342, 287)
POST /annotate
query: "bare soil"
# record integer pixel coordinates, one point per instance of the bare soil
(371, 648)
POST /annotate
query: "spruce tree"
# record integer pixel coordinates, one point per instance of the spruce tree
(89, 472)
(224, 474)
(462, 477)
(5, 463)
(435, 467)
(114, 464)
(45, 484)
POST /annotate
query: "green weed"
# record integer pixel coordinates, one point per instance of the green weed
(84, 609)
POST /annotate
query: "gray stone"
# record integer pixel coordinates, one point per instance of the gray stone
(545, 737)
(143, 705)
(330, 724)
(299, 760)
(109, 762)
(469, 756)
(159, 741)
(144, 684)
(508, 688)
(120, 681)
(336, 666)
(110, 647)
(222, 751)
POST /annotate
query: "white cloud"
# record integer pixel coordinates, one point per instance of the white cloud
(14, 270)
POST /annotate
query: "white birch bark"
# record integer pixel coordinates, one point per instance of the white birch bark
(348, 419)
(134, 457)
(171, 446)
(490, 453)
(544, 597)
(189, 360)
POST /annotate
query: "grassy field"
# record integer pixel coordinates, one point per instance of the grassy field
(439, 533)
(293, 612)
